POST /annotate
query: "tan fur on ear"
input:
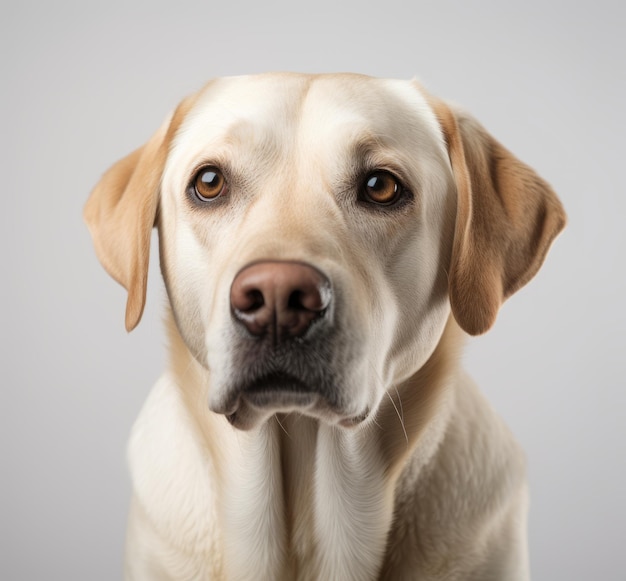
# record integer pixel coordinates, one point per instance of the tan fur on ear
(507, 218)
(121, 211)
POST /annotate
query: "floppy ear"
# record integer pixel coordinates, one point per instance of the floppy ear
(507, 218)
(121, 212)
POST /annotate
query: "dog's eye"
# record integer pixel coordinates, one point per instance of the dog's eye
(381, 188)
(209, 183)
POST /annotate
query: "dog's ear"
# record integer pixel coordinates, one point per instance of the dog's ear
(122, 209)
(507, 218)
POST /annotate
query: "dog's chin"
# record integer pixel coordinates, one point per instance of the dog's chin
(253, 404)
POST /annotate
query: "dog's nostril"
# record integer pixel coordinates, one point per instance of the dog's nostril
(255, 300)
(314, 298)
(296, 301)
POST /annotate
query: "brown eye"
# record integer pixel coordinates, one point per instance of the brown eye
(209, 184)
(381, 188)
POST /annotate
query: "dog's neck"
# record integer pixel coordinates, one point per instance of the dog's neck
(306, 500)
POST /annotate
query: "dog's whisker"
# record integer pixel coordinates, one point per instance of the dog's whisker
(399, 412)
(393, 403)
(399, 403)
(282, 427)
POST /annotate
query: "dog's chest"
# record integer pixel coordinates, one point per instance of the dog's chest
(305, 502)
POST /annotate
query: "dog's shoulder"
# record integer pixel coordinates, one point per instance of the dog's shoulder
(173, 479)
(470, 498)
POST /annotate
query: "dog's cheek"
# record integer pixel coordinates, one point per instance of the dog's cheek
(186, 273)
(369, 318)
(405, 277)
(420, 288)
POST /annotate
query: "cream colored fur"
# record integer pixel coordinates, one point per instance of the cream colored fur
(430, 486)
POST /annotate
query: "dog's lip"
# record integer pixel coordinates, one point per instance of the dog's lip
(252, 406)
(244, 417)
(281, 399)
(275, 389)
(283, 393)
(355, 420)
(276, 382)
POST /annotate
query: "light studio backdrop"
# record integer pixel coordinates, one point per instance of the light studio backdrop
(85, 83)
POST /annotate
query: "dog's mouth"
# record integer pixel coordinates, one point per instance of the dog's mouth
(280, 392)
(277, 381)
(274, 391)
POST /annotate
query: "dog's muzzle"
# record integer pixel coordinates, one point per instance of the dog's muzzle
(285, 352)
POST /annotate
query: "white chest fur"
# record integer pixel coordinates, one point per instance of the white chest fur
(305, 501)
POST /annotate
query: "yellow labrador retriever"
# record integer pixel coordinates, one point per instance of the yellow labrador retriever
(325, 241)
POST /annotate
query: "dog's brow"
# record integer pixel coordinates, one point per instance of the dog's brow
(365, 145)
(371, 151)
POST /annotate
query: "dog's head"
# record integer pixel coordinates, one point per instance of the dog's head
(316, 231)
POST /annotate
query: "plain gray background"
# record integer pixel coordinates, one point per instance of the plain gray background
(83, 85)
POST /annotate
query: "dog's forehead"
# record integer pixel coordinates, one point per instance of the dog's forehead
(335, 107)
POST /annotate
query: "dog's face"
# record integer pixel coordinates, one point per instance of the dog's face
(313, 232)
(348, 176)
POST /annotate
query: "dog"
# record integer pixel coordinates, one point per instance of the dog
(326, 243)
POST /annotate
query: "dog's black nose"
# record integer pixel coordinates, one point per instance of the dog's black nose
(280, 299)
